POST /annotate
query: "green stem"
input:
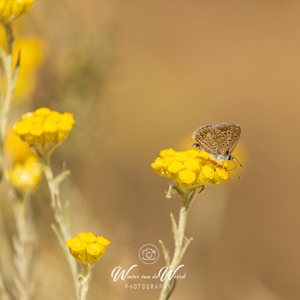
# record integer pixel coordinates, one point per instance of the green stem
(63, 232)
(84, 280)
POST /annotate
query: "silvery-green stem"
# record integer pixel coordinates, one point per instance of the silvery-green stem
(181, 244)
(84, 280)
(11, 80)
(22, 242)
(178, 252)
(63, 232)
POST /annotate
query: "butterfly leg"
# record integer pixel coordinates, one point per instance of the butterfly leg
(216, 165)
(208, 162)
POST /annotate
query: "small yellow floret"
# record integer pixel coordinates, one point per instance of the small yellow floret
(50, 127)
(187, 177)
(64, 129)
(38, 120)
(175, 167)
(166, 161)
(222, 173)
(208, 172)
(67, 117)
(192, 164)
(36, 130)
(54, 116)
(181, 156)
(87, 237)
(43, 111)
(77, 249)
(167, 152)
(201, 180)
(22, 128)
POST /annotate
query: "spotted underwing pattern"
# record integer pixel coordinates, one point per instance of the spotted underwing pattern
(218, 140)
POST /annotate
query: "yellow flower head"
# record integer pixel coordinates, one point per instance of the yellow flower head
(26, 175)
(87, 247)
(190, 168)
(10, 10)
(44, 128)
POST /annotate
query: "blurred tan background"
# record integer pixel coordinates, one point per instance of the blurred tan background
(141, 76)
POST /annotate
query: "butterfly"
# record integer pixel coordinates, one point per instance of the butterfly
(218, 140)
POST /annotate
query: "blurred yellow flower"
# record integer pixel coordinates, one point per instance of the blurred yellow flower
(190, 168)
(10, 10)
(15, 150)
(25, 176)
(32, 51)
(87, 247)
(44, 129)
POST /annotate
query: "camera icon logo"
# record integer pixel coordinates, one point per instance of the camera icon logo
(148, 254)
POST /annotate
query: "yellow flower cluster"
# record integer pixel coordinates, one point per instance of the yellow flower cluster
(44, 128)
(87, 247)
(190, 168)
(25, 176)
(10, 10)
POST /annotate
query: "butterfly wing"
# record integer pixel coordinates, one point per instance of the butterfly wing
(232, 133)
(219, 140)
(203, 136)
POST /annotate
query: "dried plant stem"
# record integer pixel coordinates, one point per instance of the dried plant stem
(84, 280)
(61, 214)
(23, 250)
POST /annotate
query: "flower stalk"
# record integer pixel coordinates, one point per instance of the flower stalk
(23, 249)
(61, 215)
(11, 81)
(181, 242)
(84, 280)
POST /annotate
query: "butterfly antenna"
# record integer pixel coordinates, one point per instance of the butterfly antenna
(237, 161)
(235, 167)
